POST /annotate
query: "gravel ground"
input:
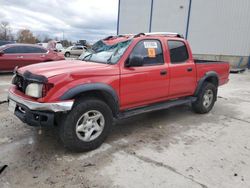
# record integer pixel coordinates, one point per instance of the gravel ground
(168, 148)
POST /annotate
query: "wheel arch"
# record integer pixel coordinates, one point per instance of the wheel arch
(67, 52)
(211, 77)
(97, 90)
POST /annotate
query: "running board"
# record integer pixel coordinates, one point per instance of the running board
(154, 107)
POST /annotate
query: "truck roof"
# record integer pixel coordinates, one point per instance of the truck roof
(111, 40)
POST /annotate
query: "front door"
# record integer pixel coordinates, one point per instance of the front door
(148, 83)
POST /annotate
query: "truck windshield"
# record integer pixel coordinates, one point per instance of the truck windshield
(103, 53)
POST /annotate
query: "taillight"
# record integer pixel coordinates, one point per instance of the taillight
(46, 88)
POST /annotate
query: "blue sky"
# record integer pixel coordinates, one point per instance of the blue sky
(77, 19)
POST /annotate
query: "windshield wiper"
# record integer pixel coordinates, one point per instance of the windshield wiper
(113, 54)
(109, 59)
(89, 55)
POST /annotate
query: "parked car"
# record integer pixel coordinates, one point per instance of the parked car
(125, 76)
(20, 55)
(74, 50)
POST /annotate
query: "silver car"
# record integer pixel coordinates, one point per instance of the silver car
(74, 50)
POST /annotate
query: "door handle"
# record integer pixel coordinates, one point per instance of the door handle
(189, 69)
(163, 72)
(19, 56)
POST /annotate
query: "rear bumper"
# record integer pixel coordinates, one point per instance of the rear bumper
(38, 114)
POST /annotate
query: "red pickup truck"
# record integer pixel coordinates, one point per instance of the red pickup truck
(120, 77)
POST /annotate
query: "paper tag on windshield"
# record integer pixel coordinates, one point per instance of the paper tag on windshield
(150, 44)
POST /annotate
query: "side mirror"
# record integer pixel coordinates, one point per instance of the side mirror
(134, 61)
(1, 53)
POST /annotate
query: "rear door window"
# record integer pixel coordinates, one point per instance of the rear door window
(178, 51)
(31, 49)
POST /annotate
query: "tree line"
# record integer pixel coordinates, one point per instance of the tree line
(25, 36)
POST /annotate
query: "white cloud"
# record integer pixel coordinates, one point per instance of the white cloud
(78, 19)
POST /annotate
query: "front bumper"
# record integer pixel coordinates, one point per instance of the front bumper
(38, 114)
(54, 107)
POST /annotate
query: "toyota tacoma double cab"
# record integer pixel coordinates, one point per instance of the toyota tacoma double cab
(121, 76)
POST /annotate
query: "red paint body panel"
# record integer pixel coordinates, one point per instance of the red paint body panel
(134, 86)
(9, 61)
(222, 69)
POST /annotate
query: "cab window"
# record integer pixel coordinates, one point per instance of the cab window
(150, 50)
(178, 51)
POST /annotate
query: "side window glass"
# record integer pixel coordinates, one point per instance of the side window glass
(11, 50)
(36, 50)
(178, 51)
(41, 50)
(26, 49)
(150, 50)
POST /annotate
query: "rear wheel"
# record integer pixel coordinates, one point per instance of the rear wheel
(67, 54)
(205, 99)
(86, 126)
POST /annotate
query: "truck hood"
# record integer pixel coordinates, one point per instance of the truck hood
(50, 69)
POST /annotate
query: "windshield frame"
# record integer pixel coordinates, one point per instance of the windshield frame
(113, 49)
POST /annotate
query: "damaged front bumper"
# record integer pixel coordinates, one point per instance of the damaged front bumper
(35, 113)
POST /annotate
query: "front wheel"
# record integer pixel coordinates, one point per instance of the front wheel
(86, 126)
(205, 99)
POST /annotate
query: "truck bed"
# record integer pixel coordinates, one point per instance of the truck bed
(222, 69)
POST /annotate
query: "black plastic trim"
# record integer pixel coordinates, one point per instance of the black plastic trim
(35, 78)
(71, 93)
(157, 106)
(204, 78)
(200, 61)
(34, 118)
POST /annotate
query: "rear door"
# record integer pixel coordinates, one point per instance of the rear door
(31, 55)
(76, 50)
(148, 83)
(35, 54)
(182, 69)
(79, 50)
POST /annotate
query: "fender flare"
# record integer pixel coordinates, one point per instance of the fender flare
(210, 74)
(72, 92)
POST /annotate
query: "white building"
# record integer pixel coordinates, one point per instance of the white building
(218, 29)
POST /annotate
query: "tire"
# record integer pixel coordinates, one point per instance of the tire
(205, 99)
(67, 54)
(76, 127)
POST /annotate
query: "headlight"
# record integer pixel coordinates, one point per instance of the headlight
(34, 90)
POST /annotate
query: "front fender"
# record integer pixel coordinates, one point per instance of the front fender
(108, 90)
(89, 87)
